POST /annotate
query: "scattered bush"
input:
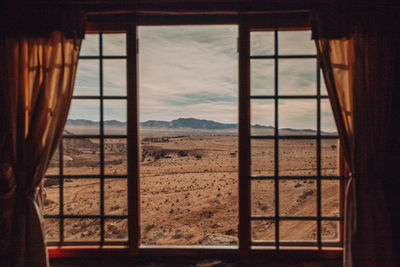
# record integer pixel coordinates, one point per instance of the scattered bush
(50, 182)
(155, 140)
(47, 202)
(182, 153)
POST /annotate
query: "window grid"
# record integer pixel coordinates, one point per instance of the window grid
(61, 216)
(101, 137)
(277, 177)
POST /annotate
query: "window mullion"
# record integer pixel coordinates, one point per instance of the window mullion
(244, 140)
(319, 206)
(101, 140)
(61, 190)
(276, 146)
(133, 141)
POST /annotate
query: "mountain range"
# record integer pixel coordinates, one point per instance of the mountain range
(183, 123)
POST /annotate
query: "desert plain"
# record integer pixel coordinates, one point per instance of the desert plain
(189, 189)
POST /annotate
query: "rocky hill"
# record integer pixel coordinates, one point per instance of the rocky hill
(192, 123)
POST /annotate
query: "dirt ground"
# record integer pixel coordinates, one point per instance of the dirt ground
(189, 190)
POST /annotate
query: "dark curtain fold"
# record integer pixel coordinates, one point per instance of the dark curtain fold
(361, 66)
(36, 81)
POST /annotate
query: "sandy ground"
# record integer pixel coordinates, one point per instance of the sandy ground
(189, 190)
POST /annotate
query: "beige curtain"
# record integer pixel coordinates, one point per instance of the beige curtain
(360, 60)
(36, 79)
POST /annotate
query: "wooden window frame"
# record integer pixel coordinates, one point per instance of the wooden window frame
(246, 22)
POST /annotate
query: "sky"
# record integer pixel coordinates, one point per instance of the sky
(192, 71)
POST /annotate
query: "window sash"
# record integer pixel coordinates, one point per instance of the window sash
(133, 247)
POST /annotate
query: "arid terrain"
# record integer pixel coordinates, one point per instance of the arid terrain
(189, 189)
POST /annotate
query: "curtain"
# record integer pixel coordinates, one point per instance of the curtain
(360, 59)
(36, 81)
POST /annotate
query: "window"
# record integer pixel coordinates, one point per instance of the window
(188, 134)
(86, 183)
(284, 175)
(294, 174)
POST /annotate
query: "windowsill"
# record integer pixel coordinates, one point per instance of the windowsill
(217, 251)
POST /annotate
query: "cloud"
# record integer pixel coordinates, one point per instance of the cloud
(115, 110)
(188, 72)
(85, 109)
(114, 44)
(262, 43)
(327, 120)
(192, 71)
(262, 112)
(87, 77)
(114, 77)
(262, 76)
(297, 76)
(90, 45)
(298, 114)
(295, 43)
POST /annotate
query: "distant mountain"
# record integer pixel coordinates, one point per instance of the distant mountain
(156, 124)
(258, 126)
(190, 123)
(180, 123)
(81, 122)
(298, 130)
(114, 123)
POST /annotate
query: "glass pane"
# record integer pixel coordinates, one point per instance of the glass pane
(116, 196)
(82, 229)
(297, 157)
(51, 194)
(83, 117)
(81, 156)
(262, 117)
(115, 117)
(188, 132)
(328, 125)
(330, 230)
(329, 157)
(297, 198)
(262, 157)
(114, 44)
(53, 168)
(298, 230)
(263, 231)
(52, 229)
(263, 197)
(87, 80)
(297, 117)
(188, 72)
(297, 76)
(90, 45)
(116, 229)
(262, 43)
(323, 85)
(296, 43)
(114, 77)
(262, 76)
(82, 196)
(189, 190)
(115, 156)
(330, 198)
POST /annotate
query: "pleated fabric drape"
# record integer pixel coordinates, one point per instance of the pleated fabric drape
(360, 59)
(36, 77)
